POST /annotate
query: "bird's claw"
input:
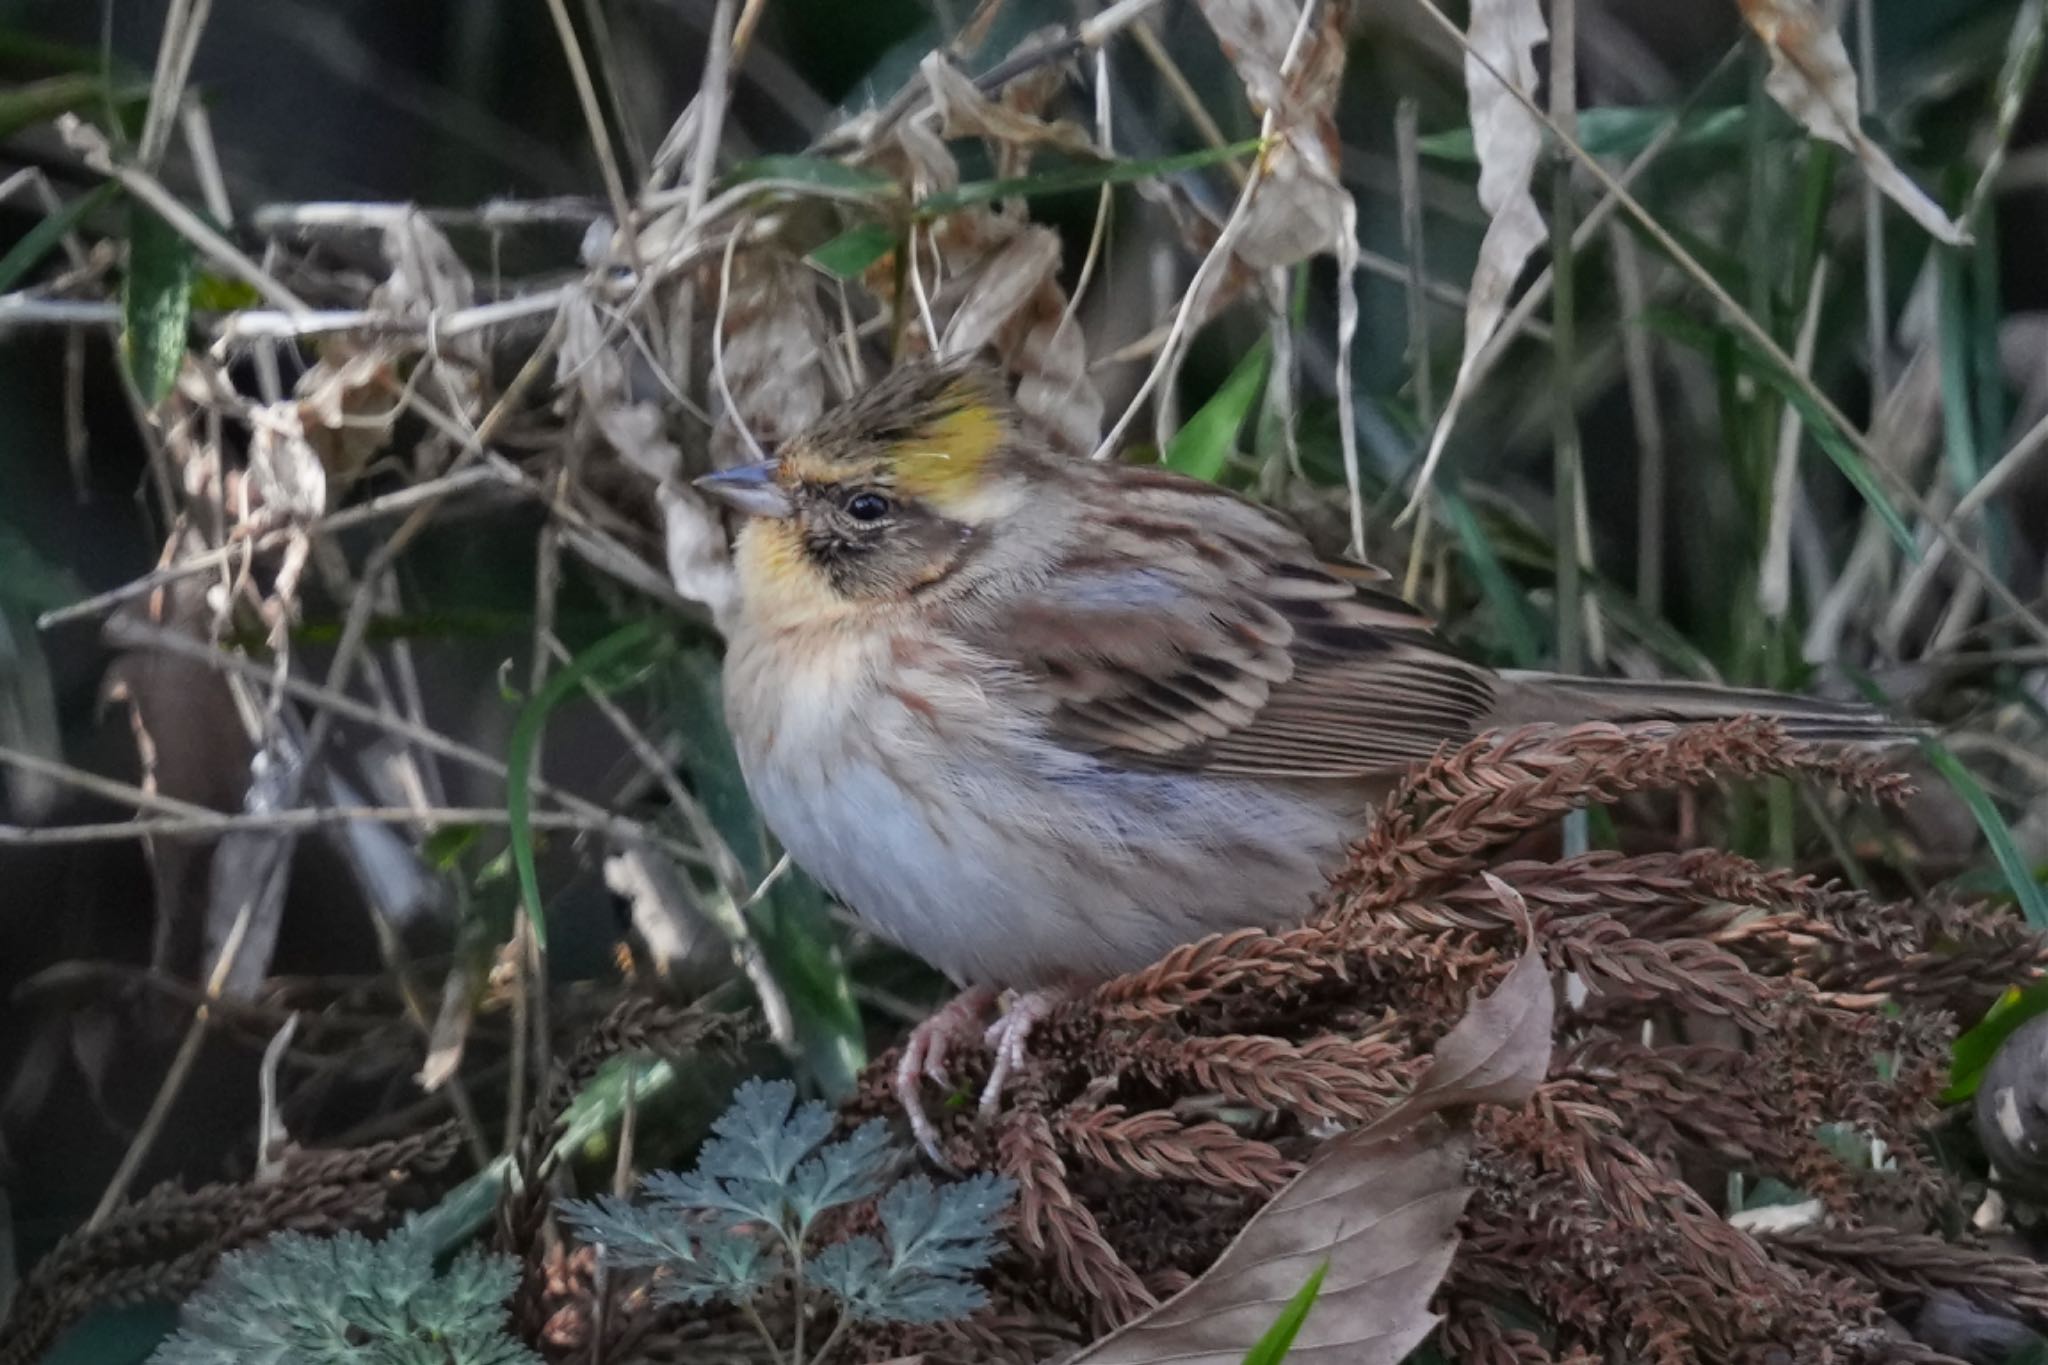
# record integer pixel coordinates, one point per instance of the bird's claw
(1009, 1038)
(924, 1057)
(925, 1051)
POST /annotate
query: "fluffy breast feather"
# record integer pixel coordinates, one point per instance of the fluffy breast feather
(920, 786)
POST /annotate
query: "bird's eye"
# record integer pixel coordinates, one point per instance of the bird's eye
(867, 507)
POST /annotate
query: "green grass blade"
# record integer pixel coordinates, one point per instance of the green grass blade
(1524, 639)
(607, 653)
(2033, 901)
(1202, 448)
(2019, 876)
(848, 255)
(1273, 1347)
(823, 172)
(1708, 340)
(1623, 132)
(39, 101)
(1068, 179)
(156, 303)
(38, 241)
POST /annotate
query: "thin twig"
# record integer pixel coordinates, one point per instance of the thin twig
(216, 823)
(1774, 577)
(593, 119)
(1408, 177)
(710, 106)
(1646, 413)
(183, 24)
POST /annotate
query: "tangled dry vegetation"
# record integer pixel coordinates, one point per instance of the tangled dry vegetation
(1542, 1091)
(1576, 1052)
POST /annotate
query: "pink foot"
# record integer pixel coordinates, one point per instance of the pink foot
(924, 1057)
(1009, 1037)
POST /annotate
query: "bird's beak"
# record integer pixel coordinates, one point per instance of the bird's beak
(749, 488)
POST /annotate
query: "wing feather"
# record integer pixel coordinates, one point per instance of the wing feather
(1195, 630)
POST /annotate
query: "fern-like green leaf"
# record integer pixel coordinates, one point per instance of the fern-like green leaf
(299, 1300)
(843, 1172)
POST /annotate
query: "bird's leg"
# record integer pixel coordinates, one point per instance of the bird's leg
(1008, 1038)
(924, 1055)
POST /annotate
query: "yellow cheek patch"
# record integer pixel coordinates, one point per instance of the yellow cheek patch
(945, 461)
(777, 578)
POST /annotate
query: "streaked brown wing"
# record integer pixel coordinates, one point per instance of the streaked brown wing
(1200, 632)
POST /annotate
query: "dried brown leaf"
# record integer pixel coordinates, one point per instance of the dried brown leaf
(347, 406)
(1301, 206)
(1812, 78)
(589, 363)
(1006, 280)
(1012, 131)
(1498, 1053)
(1380, 1206)
(286, 475)
(693, 540)
(1502, 40)
(348, 400)
(1002, 295)
(773, 358)
(1381, 1210)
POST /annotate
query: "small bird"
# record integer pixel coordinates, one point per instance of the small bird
(1039, 720)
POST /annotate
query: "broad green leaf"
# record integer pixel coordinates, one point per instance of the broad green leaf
(850, 253)
(219, 294)
(820, 171)
(1203, 447)
(446, 845)
(2034, 1353)
(1974, 1050)
(30, 579)
(37, 242)
(1067, 179)
(115, 1336)
(156, 303)
(1272, 1348)
(627, 642)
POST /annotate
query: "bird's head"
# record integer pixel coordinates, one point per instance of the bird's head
(883, 498)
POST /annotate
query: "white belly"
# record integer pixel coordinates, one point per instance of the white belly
(998, 857)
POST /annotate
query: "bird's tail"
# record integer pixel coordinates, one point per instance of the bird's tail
(1531, 698)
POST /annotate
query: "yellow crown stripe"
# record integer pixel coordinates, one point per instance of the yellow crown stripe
(948, 454)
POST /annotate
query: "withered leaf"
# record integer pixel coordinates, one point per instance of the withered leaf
(693, 543)
(591, 364)
(1012, 131)
(1382, 1210)
(1300, 208)
(1502, 41)
(774, 358)
(286, 475)
(1500, 1050)
(1006, 281)
(1002, 294)
(1380, 1205)
(1812, 79)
